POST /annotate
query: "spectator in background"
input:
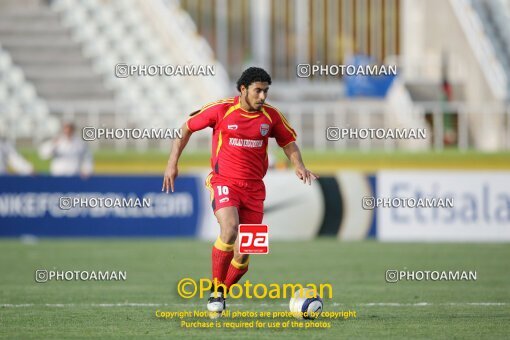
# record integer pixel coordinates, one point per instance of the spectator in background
(69, 154)
(10, 159)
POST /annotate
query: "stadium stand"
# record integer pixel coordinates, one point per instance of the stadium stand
(59, 57)
(22, 111)
(68, 50)
(495, 16)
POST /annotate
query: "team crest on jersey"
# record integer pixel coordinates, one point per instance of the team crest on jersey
(264, 129)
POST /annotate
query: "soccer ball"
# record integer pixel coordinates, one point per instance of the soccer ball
(305, 304)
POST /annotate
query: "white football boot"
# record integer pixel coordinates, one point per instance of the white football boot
(216, 305)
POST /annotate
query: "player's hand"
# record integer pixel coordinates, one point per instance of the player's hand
(171, 173)
(305, 175)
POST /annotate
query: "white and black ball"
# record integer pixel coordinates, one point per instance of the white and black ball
(306, 304)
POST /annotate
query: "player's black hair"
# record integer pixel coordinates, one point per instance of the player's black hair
(251, 75)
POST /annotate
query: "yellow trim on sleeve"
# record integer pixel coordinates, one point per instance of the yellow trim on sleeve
(287, 126)
(289, 143)
(221, 101)
(188, 125)
(206, 106)
(267, 115)
(284, 120)
(220, 141)
(209, 187)
(232, 109)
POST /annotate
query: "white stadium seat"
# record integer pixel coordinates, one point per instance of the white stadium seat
(5, 60)
(26, 93)
(14, 77)
(4, 93)
(116, 31)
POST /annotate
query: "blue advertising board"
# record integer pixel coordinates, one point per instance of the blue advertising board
(98, 206)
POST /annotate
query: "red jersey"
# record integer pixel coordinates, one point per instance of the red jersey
(240, 138)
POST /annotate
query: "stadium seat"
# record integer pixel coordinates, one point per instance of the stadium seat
(5, 60)
(62, 5)
(4, 93)
(26, 93)
(75, 18)
(117, 31)
(19, 101)
(14, 77)
(90, 5)
(85, 32)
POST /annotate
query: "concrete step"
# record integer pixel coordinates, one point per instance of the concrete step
(28, 27)
(67, 56)
(70, 87)
(21, 21)
(51, 59)
(54, 72)
(11, 36)
(46, 42)
(53, 62)
(29, 14)
(49, 95)
(104, 105)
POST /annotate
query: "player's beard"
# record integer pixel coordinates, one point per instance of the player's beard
(255, 107)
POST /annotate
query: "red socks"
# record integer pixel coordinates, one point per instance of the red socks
(224, 268)
(222, 254)
(236, 270)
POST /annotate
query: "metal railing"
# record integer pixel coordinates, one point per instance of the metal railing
(481, 127)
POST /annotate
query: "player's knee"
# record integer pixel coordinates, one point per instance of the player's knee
(228, 232)
(228, 237)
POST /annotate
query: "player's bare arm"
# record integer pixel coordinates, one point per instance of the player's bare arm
(294, 155)
(172, 170)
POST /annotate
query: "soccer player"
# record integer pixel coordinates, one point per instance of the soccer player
(241, 129)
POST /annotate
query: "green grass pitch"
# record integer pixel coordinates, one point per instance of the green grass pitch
(126, 309)
(154, 162)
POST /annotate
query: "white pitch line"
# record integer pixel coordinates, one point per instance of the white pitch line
(394, 304)
(334, 304)
(480, 303)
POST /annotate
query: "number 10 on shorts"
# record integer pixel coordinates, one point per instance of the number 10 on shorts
(253, 239)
